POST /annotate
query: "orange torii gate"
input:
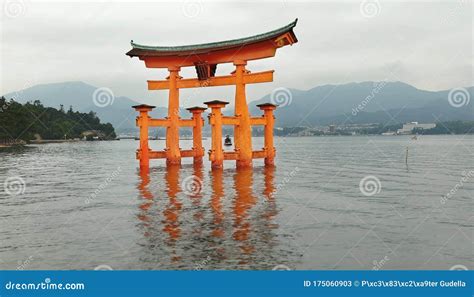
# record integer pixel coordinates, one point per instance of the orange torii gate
(205, 58)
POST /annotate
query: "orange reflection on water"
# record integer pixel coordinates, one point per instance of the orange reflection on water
(206, 215)
(171, 212)
(243, 203)
(269, 189)
(145, 194)
(216, 203)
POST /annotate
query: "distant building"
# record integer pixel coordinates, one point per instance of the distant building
(332, 128)
(93, 135)
(408, 127)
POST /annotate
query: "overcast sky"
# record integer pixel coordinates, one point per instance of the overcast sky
(426, 44)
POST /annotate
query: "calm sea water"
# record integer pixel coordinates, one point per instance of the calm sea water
(331, 203)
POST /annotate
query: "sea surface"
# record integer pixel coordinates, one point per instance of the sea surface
(378, 202)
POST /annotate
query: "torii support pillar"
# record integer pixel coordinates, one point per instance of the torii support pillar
(198, 150)
(143, 120)
(269, 149)
(216, 154)
(173, 153)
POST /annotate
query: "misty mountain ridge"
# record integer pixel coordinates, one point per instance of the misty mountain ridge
(363, 102)
(360, 103)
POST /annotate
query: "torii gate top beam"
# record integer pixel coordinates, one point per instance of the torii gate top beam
(206, 56)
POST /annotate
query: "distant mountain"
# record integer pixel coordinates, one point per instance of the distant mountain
(366, 102)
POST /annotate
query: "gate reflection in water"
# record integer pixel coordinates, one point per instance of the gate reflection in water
(195, 218)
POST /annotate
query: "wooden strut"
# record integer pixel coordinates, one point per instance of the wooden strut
(217, 120)
(248, 78)
(144, 121)
(241, 121)
(205, 58)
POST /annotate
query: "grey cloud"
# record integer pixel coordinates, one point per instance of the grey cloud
(429, 44)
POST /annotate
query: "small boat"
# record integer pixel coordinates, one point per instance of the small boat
(227, 141)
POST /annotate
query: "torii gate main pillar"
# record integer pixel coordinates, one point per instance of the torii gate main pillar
(243, 131)
(173, 154)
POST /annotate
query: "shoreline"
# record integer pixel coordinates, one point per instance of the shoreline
(44, 141)
(47, 141)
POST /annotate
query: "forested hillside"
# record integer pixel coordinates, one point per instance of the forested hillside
(29, 120)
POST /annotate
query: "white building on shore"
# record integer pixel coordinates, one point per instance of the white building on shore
(408, 127)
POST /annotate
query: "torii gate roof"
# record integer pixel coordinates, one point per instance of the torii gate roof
(248, 48)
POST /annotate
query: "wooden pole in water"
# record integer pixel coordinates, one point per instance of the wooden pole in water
(268, 109)
(216, 155)
(143, 153)
(198, 150)
(406, 156)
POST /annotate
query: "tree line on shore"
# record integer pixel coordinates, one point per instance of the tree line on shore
(32, 119)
